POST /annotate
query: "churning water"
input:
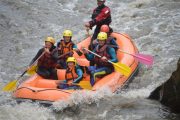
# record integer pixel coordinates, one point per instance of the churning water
(154, 26)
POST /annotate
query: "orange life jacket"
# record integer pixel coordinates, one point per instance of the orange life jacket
(65, 47)
(71, 74)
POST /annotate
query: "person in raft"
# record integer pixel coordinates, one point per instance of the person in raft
(102, 66)
(73, 76)
(100, 16)
(65, 48)
(46, 61)
(111, 41)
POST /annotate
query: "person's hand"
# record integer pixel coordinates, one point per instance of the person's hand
(95, 41)
(87, 25)
(58, 82)
(76, 49)
(28, 68)
(70, 84)
(84, 50)
(59, 48)
(46, 50)
(104, 59)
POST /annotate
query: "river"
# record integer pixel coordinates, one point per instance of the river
(154, 25)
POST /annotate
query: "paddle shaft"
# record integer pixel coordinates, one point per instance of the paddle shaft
(133, 55)
(13, 84)
(31, 66)
(121, 50)
(78, 52)
(79, 84)
(137, 56)
(97, 55)
(37, 59)
(69, 83)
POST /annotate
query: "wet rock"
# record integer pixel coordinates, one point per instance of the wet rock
(169, 92)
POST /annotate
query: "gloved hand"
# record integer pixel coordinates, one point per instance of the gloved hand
(78, 51)
(70, 53)
(87, 25)
(64, 81)
(104, 59)
(84, 50)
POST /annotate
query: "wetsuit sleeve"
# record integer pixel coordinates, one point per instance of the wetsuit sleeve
(55, 54)
(37, 56)
(112, 53)
(80, 75)
(58, 44)
(90, 56)
(75, 46)
(113, 42)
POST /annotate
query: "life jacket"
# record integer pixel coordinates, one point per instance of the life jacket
(97, 11)
(108, 42)
(47, 61)
(65, 47)
(71, 74)
(102, 52)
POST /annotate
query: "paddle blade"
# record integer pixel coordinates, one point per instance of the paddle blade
(122, 68)
(145, 59)
(32, 70)
(10, 86)
(85, 85)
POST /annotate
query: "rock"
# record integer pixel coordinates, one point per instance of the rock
(169, 92)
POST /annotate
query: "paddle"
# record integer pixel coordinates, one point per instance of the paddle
(145, 59)
(142, 58)
(122, 68)
(32, 70)
(74, 49)
(82, 84)
(12, 85)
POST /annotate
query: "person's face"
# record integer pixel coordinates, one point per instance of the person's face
(101, 42)
(99, 3)
(48, 45)
(71, 64)
(67, 38)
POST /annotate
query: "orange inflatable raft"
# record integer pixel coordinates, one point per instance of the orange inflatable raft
(44, 90)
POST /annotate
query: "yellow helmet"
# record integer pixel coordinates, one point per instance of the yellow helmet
(67, 33)
(102, 36)
(50, 39)
(71, 59)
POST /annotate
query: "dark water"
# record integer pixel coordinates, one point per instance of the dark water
(154, 26)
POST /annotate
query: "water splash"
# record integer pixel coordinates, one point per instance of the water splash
(83, 97)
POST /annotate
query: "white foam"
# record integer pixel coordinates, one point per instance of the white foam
(83, 97)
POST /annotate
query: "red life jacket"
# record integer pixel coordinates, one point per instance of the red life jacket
(102, 52)
(65, 47)
(102, 15)
(47, 61)
(71, 74)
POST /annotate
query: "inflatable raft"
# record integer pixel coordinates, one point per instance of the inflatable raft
(44, 90)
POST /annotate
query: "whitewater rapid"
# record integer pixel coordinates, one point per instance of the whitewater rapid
(154, 25)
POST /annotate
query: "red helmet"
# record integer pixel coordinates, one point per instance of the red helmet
(104, 28)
